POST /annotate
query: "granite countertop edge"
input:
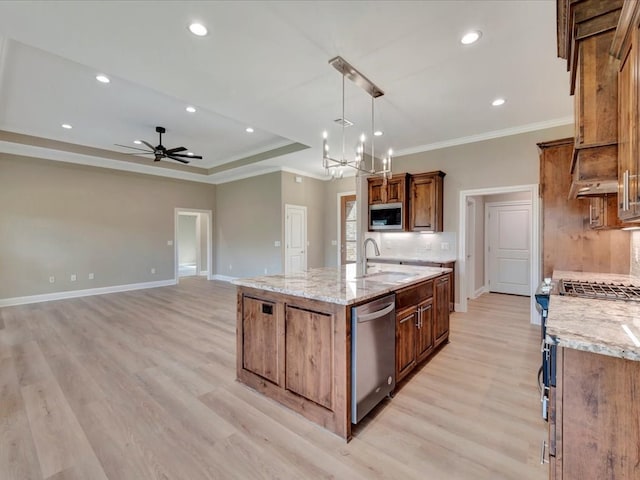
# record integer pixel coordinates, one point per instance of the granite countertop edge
(370, 290)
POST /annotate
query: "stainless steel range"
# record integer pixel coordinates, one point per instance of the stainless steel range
(600, 291)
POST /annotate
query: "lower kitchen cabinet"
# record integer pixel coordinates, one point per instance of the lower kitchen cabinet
(260, 327)
(593, 418)
(442, 294)
(418, 311)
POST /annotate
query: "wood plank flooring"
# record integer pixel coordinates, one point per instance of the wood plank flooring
(141, 385)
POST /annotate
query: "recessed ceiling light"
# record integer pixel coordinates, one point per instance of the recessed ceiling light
(378, 133)
(191, 109)
(137, 142)
(498, 101)
(198, 29)
(102, 78)
(248, 130)
(67, 126)
(190, 154)
(471, 37)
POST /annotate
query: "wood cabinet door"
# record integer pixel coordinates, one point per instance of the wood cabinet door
(628, 124)
(422, 206)
(377, 193)
(395, 190)
(260, 338)
(442, 285)
(309, 355)
(406, 321)
(424, 333)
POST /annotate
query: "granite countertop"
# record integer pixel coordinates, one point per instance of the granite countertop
(608, 327)
(413, 260)
(342, 285)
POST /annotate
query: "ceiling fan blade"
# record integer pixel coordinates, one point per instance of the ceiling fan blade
(177, 159)
(134, 148)
(176, 150)
(188, 156)
(149, 145)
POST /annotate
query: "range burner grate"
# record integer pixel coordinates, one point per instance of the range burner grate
(603, 291)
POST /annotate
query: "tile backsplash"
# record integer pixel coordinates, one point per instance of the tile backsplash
(635, 254)
(432, 246)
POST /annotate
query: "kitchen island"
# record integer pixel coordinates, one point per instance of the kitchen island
(294, 332)
(594, 410)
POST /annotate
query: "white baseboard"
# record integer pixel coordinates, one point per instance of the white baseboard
(47, 297)
(223, 278)
(204, 273)
(482, 290)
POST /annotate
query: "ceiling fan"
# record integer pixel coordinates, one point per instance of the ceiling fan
(160, 151)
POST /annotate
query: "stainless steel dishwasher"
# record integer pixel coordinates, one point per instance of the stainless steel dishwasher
(373, 354)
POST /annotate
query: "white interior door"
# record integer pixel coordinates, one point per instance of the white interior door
(295, 238)
(509, 248)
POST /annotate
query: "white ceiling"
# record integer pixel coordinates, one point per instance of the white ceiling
(264, 64)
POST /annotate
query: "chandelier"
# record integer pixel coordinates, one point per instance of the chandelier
(334, 166)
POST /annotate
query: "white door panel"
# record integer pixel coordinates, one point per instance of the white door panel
(295, 238)
(509, 246)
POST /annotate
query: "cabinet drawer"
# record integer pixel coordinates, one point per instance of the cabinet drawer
(413, 295)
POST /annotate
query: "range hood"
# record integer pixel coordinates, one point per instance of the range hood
(594, 171)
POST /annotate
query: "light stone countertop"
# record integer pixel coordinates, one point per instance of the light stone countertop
(342, 285)
(607, 327)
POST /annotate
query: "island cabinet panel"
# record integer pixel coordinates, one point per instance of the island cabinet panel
(442, 286)
(309, 362)
(260, 338)
(596, 417)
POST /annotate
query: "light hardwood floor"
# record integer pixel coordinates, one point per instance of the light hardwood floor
(141, 385)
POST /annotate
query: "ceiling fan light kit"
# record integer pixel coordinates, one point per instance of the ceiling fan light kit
(333, 166)
(160, 151)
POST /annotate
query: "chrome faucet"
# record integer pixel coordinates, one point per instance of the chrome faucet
(363, 265)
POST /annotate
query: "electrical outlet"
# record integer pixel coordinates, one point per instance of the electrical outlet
(52, 279)
(91, 276)
(74, 277)
(277, 243)
(153, 271)
(334, 243)
(230, 267)
(427, 246)
(444, 246)
(169, 243)
(636, 254)
(265, 271)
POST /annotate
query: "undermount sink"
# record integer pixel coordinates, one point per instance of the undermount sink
(386, 276)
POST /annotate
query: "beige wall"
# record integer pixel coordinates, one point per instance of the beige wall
(187, 239)
(59, 219)
(499, 162)
(332, 189)
(248, 220)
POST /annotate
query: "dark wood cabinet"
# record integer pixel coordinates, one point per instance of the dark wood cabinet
(441, 321)
(425, 202)
(417, 313)
(593, 422)
(421, 197)
(393, 191)
(627, 49)
(603, 213)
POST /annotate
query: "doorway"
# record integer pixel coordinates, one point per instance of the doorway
(347, 228)
(192, 243)
(496, 194)
(295, 237)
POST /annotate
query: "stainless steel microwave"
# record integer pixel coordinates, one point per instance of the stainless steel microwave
(386, 216)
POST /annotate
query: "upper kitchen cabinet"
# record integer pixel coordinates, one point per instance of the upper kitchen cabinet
(393, 191)
(425, 202)
(586, 29)
(627, 49)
